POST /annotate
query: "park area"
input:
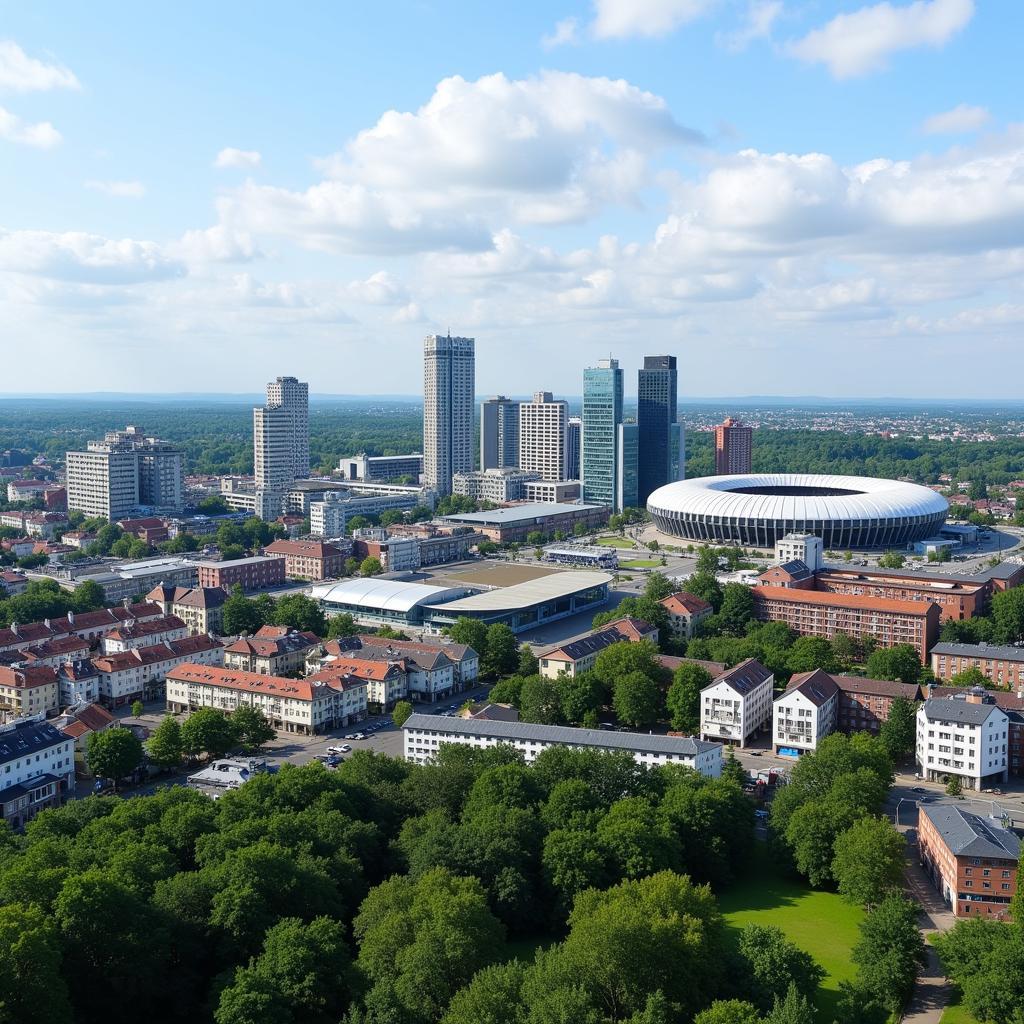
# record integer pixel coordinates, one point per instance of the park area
(640, 563)
(820, 923)
(615, 542)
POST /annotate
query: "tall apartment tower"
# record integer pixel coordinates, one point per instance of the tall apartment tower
(499, 433)
(449, 379)
(734, 443)
(280, 432)
(604, 461)
(660, 440)
(543, 424)
(573, 447)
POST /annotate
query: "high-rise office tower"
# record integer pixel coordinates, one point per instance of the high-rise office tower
(499, 433)
(602, 415)
(542, 436)
(280, 443)
(660, 436)
(573, 447)
(734, 443)
(627, 465)
(449, 379)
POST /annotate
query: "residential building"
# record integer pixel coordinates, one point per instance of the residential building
(1002, 665)
(327, 517)
(965, 736)
(514, 524)
(661, 450)
(810, 613)
(139, 673)
(386, 681)
(801, 547)
(79, 682)
(602, 415)
(499, 433)
(28, 691)
(53, 495)
(973, 861)
(685, 613)
(255, 573)
(280, 443)
(805, 714)
(1013, 705)
(573, 447)
(37, 769)
(80, 722)
(543, 424)
(200, 608)
(89, 626)
(50, 652)
(864, 704)
(309, 559)
(579, 655)
(150, 529)
(12, 583)
(271, 651)
(35, 524)
(381, 468)
(129, 635)
(395, 554)
(290, 705)
(449, 378)
(497, 485)
(424, 735)
(734, 442)
(737, 704)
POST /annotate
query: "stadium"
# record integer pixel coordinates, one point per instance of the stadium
(758, 509)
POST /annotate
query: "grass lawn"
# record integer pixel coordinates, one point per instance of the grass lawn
(820, 923)
(957, 1014)
(615, 542)
(640, 563)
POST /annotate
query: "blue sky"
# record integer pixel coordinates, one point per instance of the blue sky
(793, 197)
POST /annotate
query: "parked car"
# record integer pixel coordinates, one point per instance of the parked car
(919, 789)
(343, 748)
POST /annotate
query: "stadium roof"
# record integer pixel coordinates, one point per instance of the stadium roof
(525, 595)
(385, 595)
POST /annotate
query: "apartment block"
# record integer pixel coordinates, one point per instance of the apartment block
(256, 573)
(543, 424)
(805, 714)
(139, 673)
(499, 433)
(579, 656)
(200, 608)
(685, 613)
(964, 735)
(147, 633)
(28, 691)
(734, 442)
(1003, 666)
(738, 704)
(272, 650)
(37, 769)
(309, 559)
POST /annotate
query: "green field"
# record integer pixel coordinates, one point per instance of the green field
(615, 542)
(957, 1014)
(820, 923)
(640, 563)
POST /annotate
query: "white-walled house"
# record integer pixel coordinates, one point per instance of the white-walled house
(964, 736)
(737, 704)
(805, 714)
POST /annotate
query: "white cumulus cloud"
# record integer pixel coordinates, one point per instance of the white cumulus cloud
(118, 189)
(565, 33)
(860, 42)
(21, 73)
(41, 134)
(622, 19)
(758, 23)
(961, 119)
(238, 159)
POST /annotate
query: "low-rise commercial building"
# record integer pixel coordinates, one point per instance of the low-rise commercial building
(256, 573)
(516, 523)
(310, 559)
(973, 861)
(139, 673)
(147, 633)
(381, 468)
(125, 582)
(37, 769)
(737, 704)
(1003, 665)
(552, 491)
(963, 736)
(685, 613)
(805, 714)
(580, 655)
(498, 484)
(290, 705)
(810, 613)
(200, 608)
(327, 518)
(28, 691)
(272, 651)
(424, 735)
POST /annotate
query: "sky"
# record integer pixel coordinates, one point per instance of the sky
(793, 197)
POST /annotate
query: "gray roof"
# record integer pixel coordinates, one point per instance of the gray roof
(22, 738)
(1007, 652)
(817, 686)
(969, 835)
(518, 513)
(1004, 570)
(685, 746)
(526, 594)
(592, 644)
(797, 568)
(746, 676)
(951, 709)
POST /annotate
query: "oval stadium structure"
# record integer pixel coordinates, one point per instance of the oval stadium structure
(759, 509)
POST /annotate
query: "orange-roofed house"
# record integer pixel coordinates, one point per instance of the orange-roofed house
(386, 681)
(685, 611)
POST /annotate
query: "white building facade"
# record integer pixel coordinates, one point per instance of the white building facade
(805, 714)
(543, 424)
(964, 736)
(801, 547)
(738, 704)
(449, 378)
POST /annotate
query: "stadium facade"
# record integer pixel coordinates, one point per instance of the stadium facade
(759, 509)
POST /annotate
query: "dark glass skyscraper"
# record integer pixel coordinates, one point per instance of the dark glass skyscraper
(660, 436)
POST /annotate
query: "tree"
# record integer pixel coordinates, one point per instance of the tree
(737, 609)
(403, 709)
(113, 754)
(970, 677)
(733, 770)
(658, 586)
(891, 560)
(138, 708)
(579, 696)
(240, 614)
(296, 611)
(32, 987)
(370, 566)
(574, 859)
(985, 959)
(502, 652)
(704, 584)
(164, 746)
(1008, 615)
(729, 1011)
(868, 860)
(303, 976)
(625, 657)
(527, 661)
(538, 701)
(638, 608)
(470, 633)
(683, 698)
(341, 625)
(844, 649)
(899, 731)
(636, 698)
(954, 787)
(492, 997)
(208, 730)
(775, 964)
(809, 653)
(901, 662)
(793, 1009)
(351, 566)
(87, 597)
(508, 691)
(707, 560)
(890, 951)
(251, 728)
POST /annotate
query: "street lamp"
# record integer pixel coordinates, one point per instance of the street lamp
(903, 800)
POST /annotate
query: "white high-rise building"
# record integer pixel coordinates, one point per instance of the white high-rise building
(280, 443)
(449, 379)
(543, 426)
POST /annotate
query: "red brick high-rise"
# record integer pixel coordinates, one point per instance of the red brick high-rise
(734, 442)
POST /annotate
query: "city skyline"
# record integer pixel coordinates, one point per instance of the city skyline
(819, 182)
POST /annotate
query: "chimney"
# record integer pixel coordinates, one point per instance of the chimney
(975, 695)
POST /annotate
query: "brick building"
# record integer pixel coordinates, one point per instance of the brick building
(309, 559)
(864, 704)
(1004, 666)
(150, 529)
(256, 573)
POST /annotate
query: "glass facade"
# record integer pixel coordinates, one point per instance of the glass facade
(656, 419)
(602, 415)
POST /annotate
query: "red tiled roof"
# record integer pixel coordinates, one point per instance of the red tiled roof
(27, 678)
(155, 653)
(919, 609)
(250, 682)
(267, 646)
(308, 548)
(147, 627)
(682, 603)
(361, 668)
